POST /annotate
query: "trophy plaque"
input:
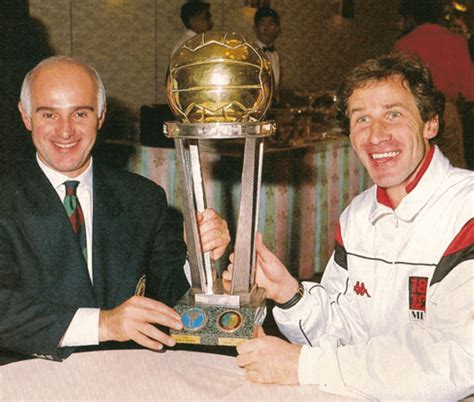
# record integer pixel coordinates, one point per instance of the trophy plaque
(219, 87)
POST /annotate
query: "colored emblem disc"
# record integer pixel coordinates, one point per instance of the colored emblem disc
(194, 319)
(230, 321)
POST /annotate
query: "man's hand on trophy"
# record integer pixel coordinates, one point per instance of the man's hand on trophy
(214, 233)
(269, 360)
(271, 274)
(136, 319)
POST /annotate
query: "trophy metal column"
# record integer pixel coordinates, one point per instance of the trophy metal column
(219, 87)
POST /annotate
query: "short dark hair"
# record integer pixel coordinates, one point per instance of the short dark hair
(413, 72)
(192, 8)
(266, 12)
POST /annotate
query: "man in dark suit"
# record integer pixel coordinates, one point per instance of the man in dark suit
(109, 267)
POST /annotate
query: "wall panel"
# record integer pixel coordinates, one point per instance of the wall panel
(129, 41)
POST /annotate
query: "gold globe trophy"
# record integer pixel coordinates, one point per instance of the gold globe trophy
(219, 87)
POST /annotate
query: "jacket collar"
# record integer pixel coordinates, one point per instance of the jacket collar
(106, 203)
(57, 179)
(420, 190)
(114, 231)
(39, 211)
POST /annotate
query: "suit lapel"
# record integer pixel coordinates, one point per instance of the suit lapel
(44, 223)
(113, 233)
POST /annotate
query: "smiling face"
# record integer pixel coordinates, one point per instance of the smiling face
(64, 116)
(387, 133)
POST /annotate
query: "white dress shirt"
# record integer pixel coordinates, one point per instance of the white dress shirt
(84, 327)
(274, 61)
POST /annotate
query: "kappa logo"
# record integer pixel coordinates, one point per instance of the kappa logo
(417, 288)
(360, 290)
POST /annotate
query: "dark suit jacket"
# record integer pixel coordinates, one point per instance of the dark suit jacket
(43, 276)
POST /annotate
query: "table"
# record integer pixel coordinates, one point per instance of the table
(304, 189)
(138, 375)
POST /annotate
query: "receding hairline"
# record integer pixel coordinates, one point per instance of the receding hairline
(50, 63)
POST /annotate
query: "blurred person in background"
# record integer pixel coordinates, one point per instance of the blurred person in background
(197, 18)
(267, 29)
(447, 56)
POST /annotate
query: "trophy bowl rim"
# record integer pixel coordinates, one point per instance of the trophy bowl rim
(219, 130)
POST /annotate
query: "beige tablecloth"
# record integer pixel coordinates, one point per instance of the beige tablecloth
(139, 375)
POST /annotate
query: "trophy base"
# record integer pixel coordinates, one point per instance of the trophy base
(217, 323)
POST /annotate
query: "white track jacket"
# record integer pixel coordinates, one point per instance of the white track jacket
(393, 317)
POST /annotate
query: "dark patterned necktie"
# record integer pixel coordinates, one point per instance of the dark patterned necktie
(74, 212)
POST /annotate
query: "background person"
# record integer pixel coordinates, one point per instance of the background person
(267, 29)
(392, 317)
(197, 18)
(447, 56)
(75, 276)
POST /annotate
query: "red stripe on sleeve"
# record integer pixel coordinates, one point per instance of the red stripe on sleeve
(463, 239)
(339, 235)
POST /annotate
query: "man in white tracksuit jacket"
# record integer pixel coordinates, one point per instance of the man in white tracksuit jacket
(393, 317)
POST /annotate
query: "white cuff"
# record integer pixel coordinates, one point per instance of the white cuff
(309, 365)
(187, 271)
(320, 365)
(83, 329)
